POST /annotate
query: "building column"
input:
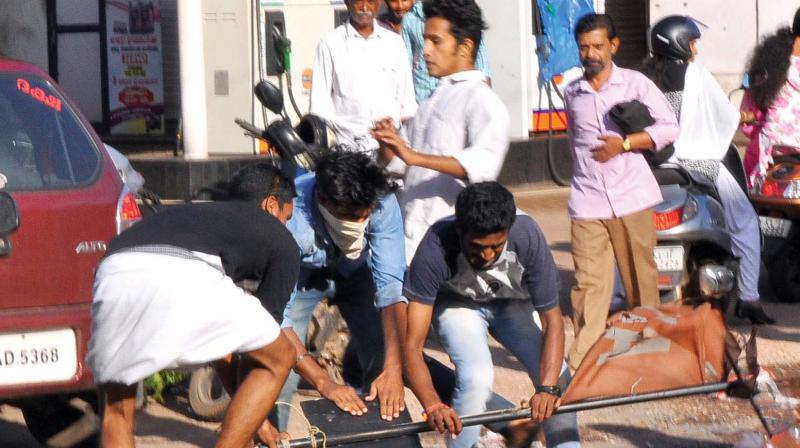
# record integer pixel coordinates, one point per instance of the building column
(193, 79)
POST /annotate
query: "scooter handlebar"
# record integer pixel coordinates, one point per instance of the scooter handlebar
(249, 129)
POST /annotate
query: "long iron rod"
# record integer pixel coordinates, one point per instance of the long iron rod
(506, 415)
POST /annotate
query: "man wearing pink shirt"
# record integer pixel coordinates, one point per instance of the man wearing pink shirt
(613, 190)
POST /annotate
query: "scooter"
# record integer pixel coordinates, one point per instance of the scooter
(693, 252)
(776, 196)
(303, 145)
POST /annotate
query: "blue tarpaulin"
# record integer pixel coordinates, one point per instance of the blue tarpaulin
(558, 51)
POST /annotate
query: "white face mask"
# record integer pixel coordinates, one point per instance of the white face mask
(348, 236)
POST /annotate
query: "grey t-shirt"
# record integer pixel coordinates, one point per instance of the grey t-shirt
(525, 269)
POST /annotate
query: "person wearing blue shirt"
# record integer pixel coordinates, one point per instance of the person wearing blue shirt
(348, 226)
(413, 33)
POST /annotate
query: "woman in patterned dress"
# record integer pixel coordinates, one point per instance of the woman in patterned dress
(772, 103)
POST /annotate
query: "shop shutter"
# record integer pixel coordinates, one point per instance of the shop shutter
(170, 59)
(632, 20)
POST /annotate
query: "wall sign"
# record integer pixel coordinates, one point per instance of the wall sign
(135, 74)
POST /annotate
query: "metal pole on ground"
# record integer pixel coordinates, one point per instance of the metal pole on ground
(504, 415)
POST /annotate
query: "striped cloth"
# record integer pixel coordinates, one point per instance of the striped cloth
(412, 31)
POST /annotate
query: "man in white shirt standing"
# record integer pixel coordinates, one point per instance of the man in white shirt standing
(361, 75)
(459, 134)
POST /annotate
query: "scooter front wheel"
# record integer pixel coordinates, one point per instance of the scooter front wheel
(784, 274)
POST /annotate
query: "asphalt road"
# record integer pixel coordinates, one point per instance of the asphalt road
(690, 422)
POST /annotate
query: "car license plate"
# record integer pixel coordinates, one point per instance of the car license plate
(776, 227)
(669, 258)
(38, 356)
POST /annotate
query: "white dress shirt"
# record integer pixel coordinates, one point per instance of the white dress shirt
(358, 81)
(463, 119)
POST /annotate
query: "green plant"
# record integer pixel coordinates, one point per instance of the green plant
(156, 384)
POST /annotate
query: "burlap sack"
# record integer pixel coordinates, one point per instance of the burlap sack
(651, 349)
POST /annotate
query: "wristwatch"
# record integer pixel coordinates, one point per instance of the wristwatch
(551, 390)
(626, 144)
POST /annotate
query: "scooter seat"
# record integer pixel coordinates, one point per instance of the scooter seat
(671, 174)
(788, 158)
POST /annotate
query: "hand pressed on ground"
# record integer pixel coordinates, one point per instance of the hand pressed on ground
(389, 389)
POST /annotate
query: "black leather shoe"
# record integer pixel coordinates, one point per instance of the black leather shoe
(754, 312)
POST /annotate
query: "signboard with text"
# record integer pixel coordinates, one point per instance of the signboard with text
(135, 75)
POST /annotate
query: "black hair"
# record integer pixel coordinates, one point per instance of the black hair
(484, 208)
(796, 23)
(465, 17)
(769, 65)
(591, 22)
(667, 74)
(260, 181)
(351, 181)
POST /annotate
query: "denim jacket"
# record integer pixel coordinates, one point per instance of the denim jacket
(384, 250)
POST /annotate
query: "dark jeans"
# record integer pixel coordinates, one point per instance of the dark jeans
(353, 295)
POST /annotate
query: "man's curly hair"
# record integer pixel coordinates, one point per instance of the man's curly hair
(352, 181)
(465, 17)
(769, 64)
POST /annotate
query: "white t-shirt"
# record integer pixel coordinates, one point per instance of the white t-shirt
(358, 81)
(463, 119)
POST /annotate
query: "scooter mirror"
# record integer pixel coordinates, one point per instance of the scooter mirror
(269, 96)
(9, 216)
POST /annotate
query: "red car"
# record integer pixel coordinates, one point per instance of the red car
(61, 188)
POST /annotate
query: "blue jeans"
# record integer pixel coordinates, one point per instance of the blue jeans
(463, 328)
(302, 307)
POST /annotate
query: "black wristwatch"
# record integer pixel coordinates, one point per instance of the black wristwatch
(551, 390)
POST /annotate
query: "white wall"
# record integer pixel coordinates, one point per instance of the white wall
(510, 46)
(732, 29)
(773, 14)
(228, 46)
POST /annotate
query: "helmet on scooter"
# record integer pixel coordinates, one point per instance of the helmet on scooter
(317, 135)
(288, 144)
(670, 37)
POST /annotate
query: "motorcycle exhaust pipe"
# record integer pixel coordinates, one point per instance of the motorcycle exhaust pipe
(716, 280)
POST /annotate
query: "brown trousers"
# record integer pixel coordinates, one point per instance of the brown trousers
(595, 244)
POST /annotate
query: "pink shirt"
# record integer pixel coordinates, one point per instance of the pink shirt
(623, 185)
(780, 125)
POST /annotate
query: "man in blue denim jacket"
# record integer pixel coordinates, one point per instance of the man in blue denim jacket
(348, 225)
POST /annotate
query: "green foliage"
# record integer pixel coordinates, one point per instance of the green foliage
(156, 384)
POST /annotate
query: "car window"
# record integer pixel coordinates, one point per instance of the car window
(43, 145)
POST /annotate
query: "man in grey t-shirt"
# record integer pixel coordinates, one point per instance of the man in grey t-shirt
(486, 271)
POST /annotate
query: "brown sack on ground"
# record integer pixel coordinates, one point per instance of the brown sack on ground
(652, 349)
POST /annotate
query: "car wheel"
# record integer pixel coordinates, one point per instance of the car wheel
(207, 397)
(62, 421)
(784, 274)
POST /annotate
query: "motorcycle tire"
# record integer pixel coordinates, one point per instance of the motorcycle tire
(207, 398)
(784, 274)
(63, 421)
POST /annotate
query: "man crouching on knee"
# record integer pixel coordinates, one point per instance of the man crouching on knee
(165, 295)
(487, 270)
